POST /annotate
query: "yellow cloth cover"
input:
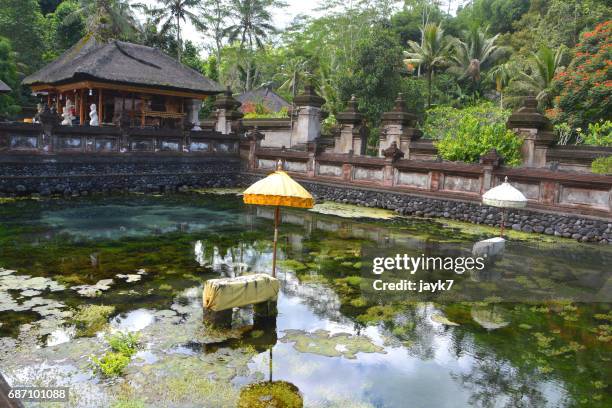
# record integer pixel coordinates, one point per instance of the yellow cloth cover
(278, 189)
(226, 293)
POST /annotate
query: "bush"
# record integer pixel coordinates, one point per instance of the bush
(111, 364)
(584, 90)
(602, 165)
(124, 343)
(597, 134)
(466, 134)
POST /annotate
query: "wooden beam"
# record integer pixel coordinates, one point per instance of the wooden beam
(126, 88)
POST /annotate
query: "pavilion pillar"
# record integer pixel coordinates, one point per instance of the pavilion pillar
(194, 114)
(353, 133)
(308, 126)
(398, 126)
(254, 137)
(100, 106)
(82, 107)
(536, 131)
(228, 117)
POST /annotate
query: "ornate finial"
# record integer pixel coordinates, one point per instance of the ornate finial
(393, 152)
(279, 165)
(506, 179)
(491, 158)
(400, 105)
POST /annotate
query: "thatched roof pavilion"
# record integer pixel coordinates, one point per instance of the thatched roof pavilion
(264, 95)
(119, 77)
(4, 88)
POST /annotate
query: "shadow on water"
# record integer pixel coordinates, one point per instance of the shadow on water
(509, 336)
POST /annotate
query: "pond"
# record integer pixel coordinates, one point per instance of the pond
(146, 258)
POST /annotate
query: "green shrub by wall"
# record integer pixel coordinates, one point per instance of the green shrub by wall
(466, 134)
(602, 165)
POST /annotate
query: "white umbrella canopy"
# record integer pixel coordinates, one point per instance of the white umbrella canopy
(504, 196)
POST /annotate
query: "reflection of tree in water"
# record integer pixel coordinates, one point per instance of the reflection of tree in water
(491, 378)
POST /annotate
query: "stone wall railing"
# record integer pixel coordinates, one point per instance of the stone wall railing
(547, 190)
(16, 138)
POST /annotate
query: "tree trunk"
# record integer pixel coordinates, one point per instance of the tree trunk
(178, 38)
(429, 77)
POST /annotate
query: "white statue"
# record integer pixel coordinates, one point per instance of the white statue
(93, 115)
(67, 116)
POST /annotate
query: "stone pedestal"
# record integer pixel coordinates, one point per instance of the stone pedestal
(398, 126)
(352, 136)
(254, 137)
(308, 125)
(194, 114)
(536, 131)
(228, 118)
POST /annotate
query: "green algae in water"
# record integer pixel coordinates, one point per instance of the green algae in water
(331, 345)
(270, 394)
(90, 319)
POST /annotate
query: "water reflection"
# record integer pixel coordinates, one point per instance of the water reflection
(331, 340)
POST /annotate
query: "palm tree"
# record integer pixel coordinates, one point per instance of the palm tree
(501, 75)
(545, 64)
(171, 14)
(252, 26)
(105, 19)
(435, 51)
(475, 54)
(292, 73)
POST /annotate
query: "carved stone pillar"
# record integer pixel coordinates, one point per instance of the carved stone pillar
(308, 126)
(391, 155)
(490, 161)
(398, 126)
(254, 137)
(228, 117)
(353, 133)
(536, 131)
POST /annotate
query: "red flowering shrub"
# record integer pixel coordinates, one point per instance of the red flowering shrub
(584, 88)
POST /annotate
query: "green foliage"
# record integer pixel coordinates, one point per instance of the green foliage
(124, 343)
(8, 74)
(62, 29)
(597, 134)
(111, 364)
(466, 134)
(499, 14)
(270, 394)
(585, 89)
(22, 22)
(90, 319)
(375, 74)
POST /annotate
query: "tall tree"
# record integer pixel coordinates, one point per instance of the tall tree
(435, 52)
(215, 13)
(22, 23)
(8, 74)
(474, 54)
(252, 26)
(105, 19)
(544, 65)
(171, 14)
(501, 75)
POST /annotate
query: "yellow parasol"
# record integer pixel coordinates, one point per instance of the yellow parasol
(278, 189)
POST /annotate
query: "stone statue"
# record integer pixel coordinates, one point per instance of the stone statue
(67, 113)
(93, 115)
(67, 116)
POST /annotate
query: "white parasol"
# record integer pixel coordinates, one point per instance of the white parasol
(504, 196)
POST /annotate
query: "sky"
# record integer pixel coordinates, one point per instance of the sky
(281, 17)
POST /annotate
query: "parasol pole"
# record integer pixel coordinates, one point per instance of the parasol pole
(276, 222)
(503, 221)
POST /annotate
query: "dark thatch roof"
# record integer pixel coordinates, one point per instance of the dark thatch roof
(4, 88)
(265, 96)
(121, 62)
